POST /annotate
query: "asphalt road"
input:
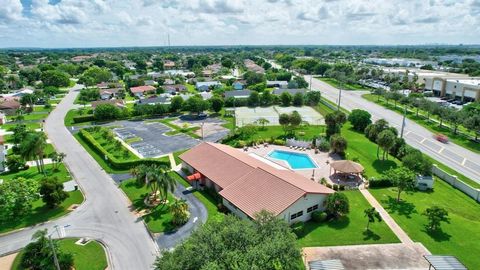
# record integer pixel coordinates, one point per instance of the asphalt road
(456, 157)
(104, 216)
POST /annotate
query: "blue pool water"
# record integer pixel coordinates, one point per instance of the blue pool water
(295, 160)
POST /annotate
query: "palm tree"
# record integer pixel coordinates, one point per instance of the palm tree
(372, 214)
(33, 147)
(140, 173)
(164, 184)
(156, 178)
(179, 210)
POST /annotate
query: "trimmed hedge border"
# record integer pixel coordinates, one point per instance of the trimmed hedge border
(83, 118)
(113, 161)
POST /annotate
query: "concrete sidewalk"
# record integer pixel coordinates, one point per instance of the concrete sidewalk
(404, 238)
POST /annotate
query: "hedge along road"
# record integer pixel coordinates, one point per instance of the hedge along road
(105, 214)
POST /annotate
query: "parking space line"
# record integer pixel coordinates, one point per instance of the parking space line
(441, 150)
(463, 162)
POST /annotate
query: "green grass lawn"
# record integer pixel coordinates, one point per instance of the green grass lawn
(347, 86)
(359, 147)
(68, 120)
(349, 230)
(178, 161)
(41, 108)
(32, 173)
(303, 132)
(100, 160)
(460, 139)
(38, 116)
(159, 220)
(118, 151)
(460, 237)
(188, 129)
(31, 126)
(207, 200)
(87, 257)
(191, 88)
(128, 97)
(40, 213)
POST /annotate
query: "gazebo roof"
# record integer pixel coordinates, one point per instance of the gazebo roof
(347, 166)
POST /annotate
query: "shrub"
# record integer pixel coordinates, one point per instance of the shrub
(279, 142)
(298, 227)
(324, 146)
(341, 187)
(379, 183)
(15, 163)
(323, 181)
(83, 118)
(319, 216)
(329, 185)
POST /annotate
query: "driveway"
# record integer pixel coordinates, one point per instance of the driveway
(105, 214)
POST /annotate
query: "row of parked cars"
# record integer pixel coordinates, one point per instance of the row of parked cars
(454, 101)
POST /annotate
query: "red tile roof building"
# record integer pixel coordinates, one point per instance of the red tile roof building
(142, 89)
(248, 185)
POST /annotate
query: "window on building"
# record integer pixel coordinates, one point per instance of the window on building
(312, 208)
(298, 214)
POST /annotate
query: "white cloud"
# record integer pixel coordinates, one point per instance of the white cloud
(203, 22)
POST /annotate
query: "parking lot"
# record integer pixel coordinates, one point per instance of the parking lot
(153, 141)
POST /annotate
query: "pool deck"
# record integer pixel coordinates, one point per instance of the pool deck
(320, 159)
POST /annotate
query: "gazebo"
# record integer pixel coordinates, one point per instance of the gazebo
(346, 166)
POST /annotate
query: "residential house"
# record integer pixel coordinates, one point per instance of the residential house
(248, 185)
(206, 86)
(168, 64)
(237, 94)
(117, 102)
(252, 66)
(150, 82)
(179, 72)
(140, 91)
(3, 118)
(9, 105)
(168, 82)
(279, 84)
(109, 93)
(154, 75)
(153, 100)
(238, 85)
(105, 85)
(292, 92)
(176, 88)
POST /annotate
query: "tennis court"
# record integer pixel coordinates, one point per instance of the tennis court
(247, 115)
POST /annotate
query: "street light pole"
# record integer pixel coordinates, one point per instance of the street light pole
(339, 98)
(311, 81)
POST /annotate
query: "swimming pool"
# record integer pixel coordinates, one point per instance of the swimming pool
(295, 160)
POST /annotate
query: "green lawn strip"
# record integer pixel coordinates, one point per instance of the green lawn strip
(460, 237)
(228, 119)
(119, 152)
(87, 257)
(347, 86)
(303, 132)
(159, 220)
(460, 138)
(30, 116)
(176, 154)
(40, 213)
(41, 108)
(132, 140)
(208, 201)
(32, 173)
(359, 147)
(100, 160)
(30, 125)
(349, 230)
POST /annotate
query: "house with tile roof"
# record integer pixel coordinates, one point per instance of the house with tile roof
(248, 185)
(139, 91)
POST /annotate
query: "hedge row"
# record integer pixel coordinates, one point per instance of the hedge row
(83, 118)
(379, 183)
(113, 161)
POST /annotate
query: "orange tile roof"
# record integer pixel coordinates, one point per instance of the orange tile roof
(248, 183)
(143, 88)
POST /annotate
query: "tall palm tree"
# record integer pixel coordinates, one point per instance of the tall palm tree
(156, 178)
(33, 147)
(164, 183)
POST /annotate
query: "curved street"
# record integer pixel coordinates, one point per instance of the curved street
(105, 214)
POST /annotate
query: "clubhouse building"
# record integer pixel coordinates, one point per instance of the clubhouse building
(247, 184)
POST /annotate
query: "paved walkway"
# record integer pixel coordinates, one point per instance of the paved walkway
(402, 236)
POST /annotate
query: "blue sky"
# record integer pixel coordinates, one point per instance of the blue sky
(94, 23)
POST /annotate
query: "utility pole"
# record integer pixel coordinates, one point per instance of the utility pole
(403, 121)
(339, 98)
(55, 259)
